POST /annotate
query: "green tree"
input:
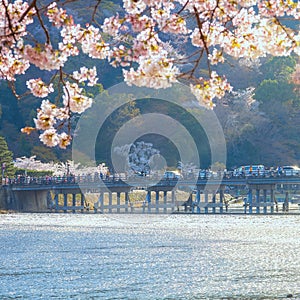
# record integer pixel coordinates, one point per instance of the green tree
(44, 154)
(274, 90)
(278, 67)
(6, 159)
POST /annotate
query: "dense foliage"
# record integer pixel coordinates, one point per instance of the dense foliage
(59, 48)
(6, 159)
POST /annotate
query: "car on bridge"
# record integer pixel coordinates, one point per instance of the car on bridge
(250, 170)
(172, 175)
(290, 171)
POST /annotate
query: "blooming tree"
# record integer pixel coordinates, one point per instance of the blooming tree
(145, 39)
(31, 163)
(138, 155)
(59, 169)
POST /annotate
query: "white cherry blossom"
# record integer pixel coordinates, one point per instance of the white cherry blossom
(145, 39)
(38, 88)
(49, 137)
(75, 99)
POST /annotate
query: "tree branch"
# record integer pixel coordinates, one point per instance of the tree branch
(202, 37)
(32, 5)
(43, 25)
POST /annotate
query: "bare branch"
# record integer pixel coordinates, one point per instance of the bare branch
(9, 20)
(42, 24)
(32, 5)
(95, 10)
(199, 23)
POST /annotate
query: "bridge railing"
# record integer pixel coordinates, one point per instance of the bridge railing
(94, 178)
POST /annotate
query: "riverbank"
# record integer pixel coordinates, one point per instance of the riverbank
(4, 211)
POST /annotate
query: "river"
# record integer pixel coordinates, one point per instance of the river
(94, 256)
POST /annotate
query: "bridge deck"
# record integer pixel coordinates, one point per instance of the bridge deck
(112, 184)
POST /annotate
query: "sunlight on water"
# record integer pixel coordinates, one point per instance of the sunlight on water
(59, 256)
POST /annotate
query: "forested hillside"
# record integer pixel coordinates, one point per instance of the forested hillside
(260, 118)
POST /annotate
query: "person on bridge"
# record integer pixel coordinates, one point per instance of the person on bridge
(279, 171)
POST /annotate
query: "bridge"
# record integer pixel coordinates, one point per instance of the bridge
(259, 195)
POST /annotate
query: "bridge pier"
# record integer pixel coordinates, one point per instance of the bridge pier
(113, 201)
(212, 200)
(67, 201)
(261, 201)
(110, 202)
(272, 200)
(206, 201)
(285, 207)
(173, 199)
(73, 202)
(198, 200)
(165, 201)
(56, 202)
(250, 201)
(82, 201)
(99, 203)
(265, 201)
(221, 200)
(25, 201)
(148, 201)
(157, 201)
(118, 202)
(257, 201)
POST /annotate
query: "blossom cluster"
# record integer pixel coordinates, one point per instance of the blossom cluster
(12, 30)
(49, 137)
(86, 74)
(44, 57)
(206, 90)
(235, 28)
(156, 72)
(48, 115)
(142, 40)
(74, 98)
(139, 155)
(58, 169)
(38, 88)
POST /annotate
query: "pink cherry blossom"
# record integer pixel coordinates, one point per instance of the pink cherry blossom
(148, 39)
(58, 16)
(45, 116)
(86, 74)
(74, 98)
(38, 88)
(44, 57)
(112, 25)
(49, 137)
(64, 140)
(157, 72)
(206, 90)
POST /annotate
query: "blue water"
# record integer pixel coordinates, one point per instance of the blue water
(74, 256)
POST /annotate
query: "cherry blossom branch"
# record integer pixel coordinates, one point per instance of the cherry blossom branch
(30, 7)
(95, 10)
(42, 24)
(145, 42)
(183, 7)
(9, 21)
(199, 23)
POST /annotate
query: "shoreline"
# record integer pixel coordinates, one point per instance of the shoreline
(237, 213)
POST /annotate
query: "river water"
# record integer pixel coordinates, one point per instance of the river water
(93, 256)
